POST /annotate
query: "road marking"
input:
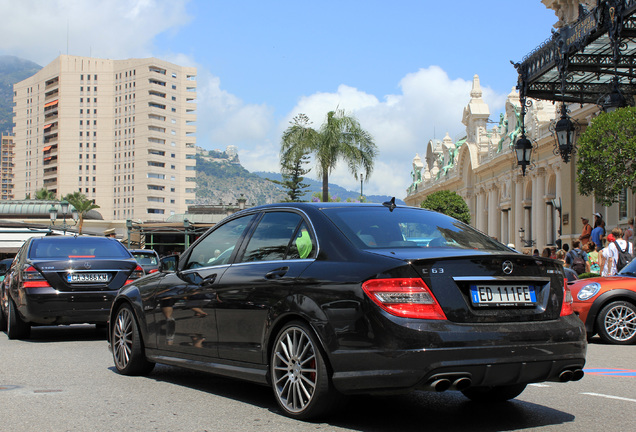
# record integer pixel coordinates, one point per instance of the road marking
(611, 372)
(540, 385)
(610, 397)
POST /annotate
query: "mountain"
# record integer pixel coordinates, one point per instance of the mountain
(334, 190)
(12, 70)
(221, 178)
(224, 180)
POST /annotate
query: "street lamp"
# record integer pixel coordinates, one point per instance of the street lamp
(564, 132)
(64, 205)
(129, 226)
(186, 227)
(522, 237)
(523, 150)
(558, 206)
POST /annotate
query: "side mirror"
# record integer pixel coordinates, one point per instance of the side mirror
(169, 263)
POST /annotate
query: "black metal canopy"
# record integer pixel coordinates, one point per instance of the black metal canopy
(581, 63)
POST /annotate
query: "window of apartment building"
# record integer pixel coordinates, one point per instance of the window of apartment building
(622, 205)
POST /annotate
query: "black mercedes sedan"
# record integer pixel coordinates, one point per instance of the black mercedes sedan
(64, 280)
(323, 300)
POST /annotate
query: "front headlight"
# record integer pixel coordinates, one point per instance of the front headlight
(589, 291)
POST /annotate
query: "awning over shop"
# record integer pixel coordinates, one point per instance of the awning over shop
(580, 62)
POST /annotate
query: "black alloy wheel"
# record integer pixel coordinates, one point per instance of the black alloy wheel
(17, 328)
(616, 323)
(299, 375)
(494, 394)
(128, 352)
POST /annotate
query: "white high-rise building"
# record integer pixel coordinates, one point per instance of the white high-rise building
(122, 132)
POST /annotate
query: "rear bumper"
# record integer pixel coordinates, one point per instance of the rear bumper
(47, 306)
(500, 355)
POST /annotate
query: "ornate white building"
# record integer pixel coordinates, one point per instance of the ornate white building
(482, 168)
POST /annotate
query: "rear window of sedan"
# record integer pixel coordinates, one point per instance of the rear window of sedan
(77, 247)
(404, 227)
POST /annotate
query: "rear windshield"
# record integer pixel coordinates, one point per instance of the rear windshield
(405, 227)
(77, 247)
(146, 258)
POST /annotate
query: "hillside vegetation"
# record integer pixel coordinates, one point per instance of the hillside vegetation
(12, 70)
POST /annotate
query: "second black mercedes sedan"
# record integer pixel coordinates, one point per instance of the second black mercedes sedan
(64, 280)
(323, 300)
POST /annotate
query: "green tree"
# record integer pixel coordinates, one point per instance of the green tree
(45, 194)
(340, 138)
(293, 172)
(82, 204)
(449, 203)
(607, 155)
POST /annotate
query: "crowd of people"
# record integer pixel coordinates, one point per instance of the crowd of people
(595, 251)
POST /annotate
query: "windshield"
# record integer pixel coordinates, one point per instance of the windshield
(407, 227)
(629, 269)
(77, 247)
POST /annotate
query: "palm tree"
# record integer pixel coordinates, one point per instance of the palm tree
(340, 138)
(45, 195)
(82, 204)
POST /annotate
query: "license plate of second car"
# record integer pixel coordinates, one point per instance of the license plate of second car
(503, 295)
(87, 277)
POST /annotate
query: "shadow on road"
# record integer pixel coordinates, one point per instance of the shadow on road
(449, 411)
(70, 333)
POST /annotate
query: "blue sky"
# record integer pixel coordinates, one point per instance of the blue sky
(403, 68)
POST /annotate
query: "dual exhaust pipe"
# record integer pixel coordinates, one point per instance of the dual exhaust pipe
(571, 375)
(441, 383)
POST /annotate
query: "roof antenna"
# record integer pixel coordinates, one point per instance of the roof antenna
(390, 204)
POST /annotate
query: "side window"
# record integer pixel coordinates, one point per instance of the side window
(303, 246)
(217, 247)
(272, 237)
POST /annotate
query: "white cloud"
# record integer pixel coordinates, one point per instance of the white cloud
(430, 105)
(115, 29)
(223, 119)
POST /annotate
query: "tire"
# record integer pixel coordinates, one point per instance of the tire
(17, 328)
(3, 318)
(299, 374)
(616, 323)
(494, 394)
(128, 349)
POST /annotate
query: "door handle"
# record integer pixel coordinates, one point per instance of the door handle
(277, 273)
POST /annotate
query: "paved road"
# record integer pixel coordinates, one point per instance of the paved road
(62, 379)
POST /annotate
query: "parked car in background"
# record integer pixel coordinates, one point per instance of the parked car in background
(607, 305)
(320, 300)
(64, 280)
(148, 259)
(5, 264)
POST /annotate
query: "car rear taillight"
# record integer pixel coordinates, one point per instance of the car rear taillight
(153, 271)
(566, 307)
(136, 274)
(404, 297)
(32, 278)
